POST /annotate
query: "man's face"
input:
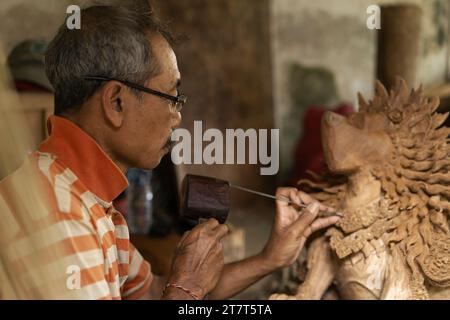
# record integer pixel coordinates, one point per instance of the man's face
(150, 121)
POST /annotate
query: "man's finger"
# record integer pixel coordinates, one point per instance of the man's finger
(305, 198)
(284, 193)
(327, 208)
(295, 198)
(323, 223)
(185, 234)
(205, 226)
(307, 217)
(210, 224)
(220, 231)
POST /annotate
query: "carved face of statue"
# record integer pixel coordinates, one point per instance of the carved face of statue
(359, 140)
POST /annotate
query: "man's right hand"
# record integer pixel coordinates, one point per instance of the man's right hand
(198, 260)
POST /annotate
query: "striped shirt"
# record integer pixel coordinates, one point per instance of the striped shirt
(82, 181)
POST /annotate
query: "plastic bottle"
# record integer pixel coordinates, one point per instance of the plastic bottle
(140, 204)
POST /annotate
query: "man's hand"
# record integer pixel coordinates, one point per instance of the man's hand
(292, 226)
(198, 260)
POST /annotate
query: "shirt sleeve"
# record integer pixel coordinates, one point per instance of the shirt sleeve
(139, 278)
(69, 257)
(62, 248)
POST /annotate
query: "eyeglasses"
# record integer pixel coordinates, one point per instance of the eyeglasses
(177, 101)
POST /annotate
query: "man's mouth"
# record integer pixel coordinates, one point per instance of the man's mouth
(169, 143)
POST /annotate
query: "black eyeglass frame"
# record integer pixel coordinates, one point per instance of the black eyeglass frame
(179, 100)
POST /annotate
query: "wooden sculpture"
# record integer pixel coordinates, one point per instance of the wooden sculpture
(394, 239)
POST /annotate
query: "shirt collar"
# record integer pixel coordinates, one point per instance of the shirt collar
(75, 149)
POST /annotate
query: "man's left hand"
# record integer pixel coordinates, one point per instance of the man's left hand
(292, 226)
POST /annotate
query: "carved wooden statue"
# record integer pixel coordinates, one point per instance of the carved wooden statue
(394, 239)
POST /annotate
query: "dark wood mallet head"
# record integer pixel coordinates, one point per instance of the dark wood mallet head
(205, 197)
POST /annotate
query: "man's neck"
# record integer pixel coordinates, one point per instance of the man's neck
(93, 131)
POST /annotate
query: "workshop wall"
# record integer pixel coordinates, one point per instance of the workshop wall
(226, 70)
(23, 19)
(330, 39)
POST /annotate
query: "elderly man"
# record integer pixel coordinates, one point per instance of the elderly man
(116, 104)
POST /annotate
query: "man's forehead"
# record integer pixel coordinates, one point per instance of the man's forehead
(167, 59)
(162, 49)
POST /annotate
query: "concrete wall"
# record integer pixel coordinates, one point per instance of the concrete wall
(25, 19)
(332, 36)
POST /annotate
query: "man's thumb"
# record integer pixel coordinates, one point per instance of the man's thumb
(308, 215)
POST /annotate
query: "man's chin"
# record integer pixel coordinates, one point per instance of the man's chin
(166, 149)
(155, 161)
(149, 164)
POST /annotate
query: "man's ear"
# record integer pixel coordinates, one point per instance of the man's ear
(112, 102)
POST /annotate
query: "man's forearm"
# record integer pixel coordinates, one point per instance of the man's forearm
(238, 276)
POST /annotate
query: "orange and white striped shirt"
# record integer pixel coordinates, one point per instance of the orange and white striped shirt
(82, 182)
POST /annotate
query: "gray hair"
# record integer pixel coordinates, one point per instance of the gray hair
(112, 42)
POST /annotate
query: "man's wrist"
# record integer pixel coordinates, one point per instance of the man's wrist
(266, 263)
(189, 287)
(176, 293)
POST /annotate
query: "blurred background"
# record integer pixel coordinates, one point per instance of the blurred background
(259, 64)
